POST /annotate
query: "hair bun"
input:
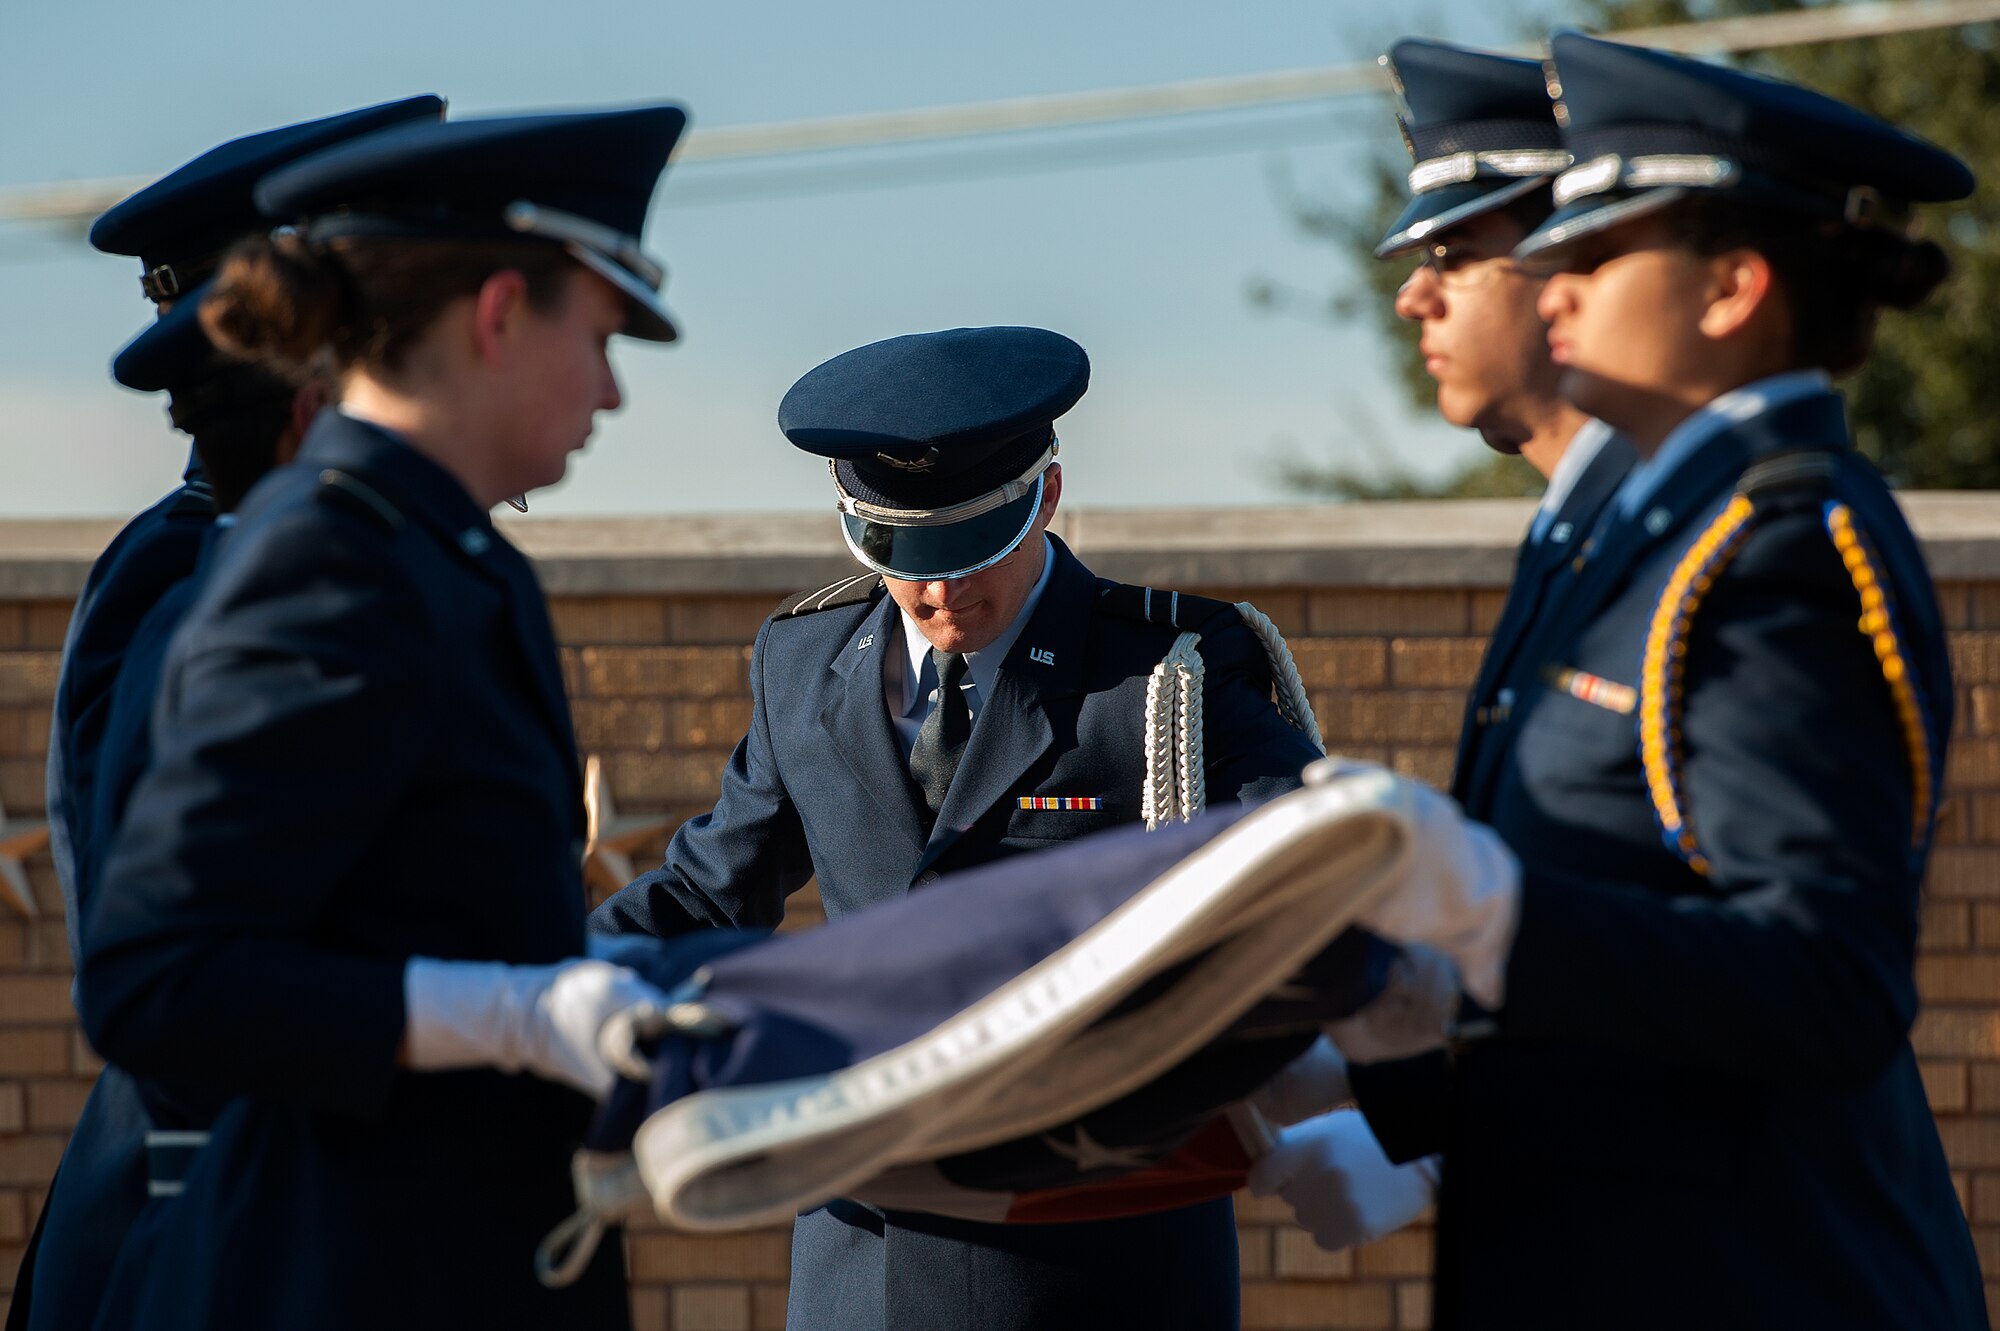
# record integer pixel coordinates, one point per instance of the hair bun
(1899, 274)
(276, 301)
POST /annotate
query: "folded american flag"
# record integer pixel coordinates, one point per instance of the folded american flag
(1055, 1036)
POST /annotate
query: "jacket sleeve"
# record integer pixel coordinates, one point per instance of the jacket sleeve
(142, 561)
(1250, 751)
(734, 865)
(126, 740)
(1798, 784)
(294, 711)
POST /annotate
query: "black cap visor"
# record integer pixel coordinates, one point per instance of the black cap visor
(953, 550)
(611, 254)
(1436, 210)
(647, 317)
(169, 352)
(1544, 249)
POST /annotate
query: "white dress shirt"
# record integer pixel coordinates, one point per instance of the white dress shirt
(909, 685)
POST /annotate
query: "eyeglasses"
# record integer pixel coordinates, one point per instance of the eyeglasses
(1457, 267)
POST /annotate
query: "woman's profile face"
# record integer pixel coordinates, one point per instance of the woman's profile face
(1624, 314)
(558, 377)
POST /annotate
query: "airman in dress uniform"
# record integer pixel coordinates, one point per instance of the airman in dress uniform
(241, 419)
(973, 692)
(179, 228)
(1687, 1095)
(347, 890)
(1486, 148)
(1484, 136)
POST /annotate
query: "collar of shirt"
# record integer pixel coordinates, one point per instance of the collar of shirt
(980, 666)
(1577, 455)
(1732, 408)
(342, 409)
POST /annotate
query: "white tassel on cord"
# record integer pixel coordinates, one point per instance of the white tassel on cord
(1176, 786)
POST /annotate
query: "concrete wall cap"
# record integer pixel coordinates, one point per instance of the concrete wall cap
(1429, 543)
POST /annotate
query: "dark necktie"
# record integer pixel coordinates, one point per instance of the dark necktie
(941, 741)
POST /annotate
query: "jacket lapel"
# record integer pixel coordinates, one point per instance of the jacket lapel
(1604, 565)
(537, 640)
(1535, 571)
(1012, 729)
(1533, 565)
(1579, 517)
(856, 720)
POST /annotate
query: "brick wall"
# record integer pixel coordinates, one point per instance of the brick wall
(658, 683)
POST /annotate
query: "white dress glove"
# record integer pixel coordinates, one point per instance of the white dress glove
(1409, 1017)
(539, 1019)
(1309, 1085)
(1342, 1189)
(1461, 895)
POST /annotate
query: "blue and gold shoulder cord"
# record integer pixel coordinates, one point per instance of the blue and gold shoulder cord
(1878, 625)
(1663, 667)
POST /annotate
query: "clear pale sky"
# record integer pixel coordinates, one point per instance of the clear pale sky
(1144, 261)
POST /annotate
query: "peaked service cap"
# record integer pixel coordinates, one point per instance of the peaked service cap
(583, 180)
(1481, 130)
(182, 224)
(938, 441)
(1649, 127)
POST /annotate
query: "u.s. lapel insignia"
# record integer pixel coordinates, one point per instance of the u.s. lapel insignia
(1041, 656)
(1560, 533)
(865, 643)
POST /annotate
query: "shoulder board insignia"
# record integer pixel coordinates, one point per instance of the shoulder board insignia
(1809, 470)
(860, 588)
(345, 490)
(195, 499)
(1152, 605)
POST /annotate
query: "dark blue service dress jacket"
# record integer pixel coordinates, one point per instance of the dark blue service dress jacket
(62, 1274)
(101, 1187)
(1406, 1099)
(1720, 766)
(1537, 565)
(820, 786)
(149, 554)
(362, 754)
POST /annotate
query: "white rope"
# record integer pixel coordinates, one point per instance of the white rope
(1193, 765)
(1293, 704)
(1176, 786)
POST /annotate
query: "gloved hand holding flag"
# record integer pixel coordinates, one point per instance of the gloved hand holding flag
(1070, 1025)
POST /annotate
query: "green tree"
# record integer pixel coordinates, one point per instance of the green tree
(1926, 406)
